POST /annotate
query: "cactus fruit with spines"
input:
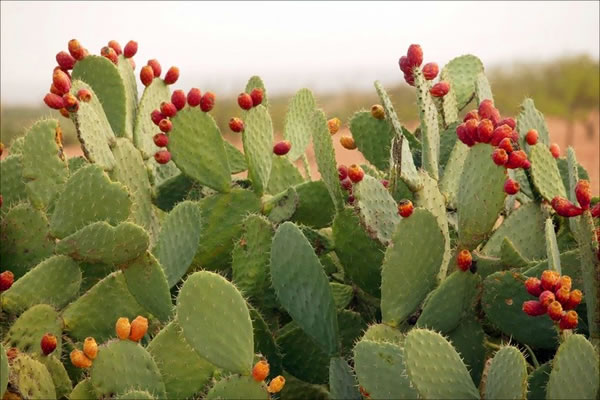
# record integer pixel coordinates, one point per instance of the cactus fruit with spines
(146, 270)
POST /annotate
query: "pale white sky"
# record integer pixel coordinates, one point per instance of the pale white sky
(321, 45)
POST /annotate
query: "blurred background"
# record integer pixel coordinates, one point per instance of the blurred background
(545, 50)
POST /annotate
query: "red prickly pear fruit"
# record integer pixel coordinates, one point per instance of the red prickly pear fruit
(473, 114)
(123, 328)
(282, 148)
(562, 295)
(569, 320)
(236, 124)
(526, 164)
(84, 95)
(485, 130)
(347, 142)
(146, 75)
(516, 159)
(131, 62)
(430, 71)
(194, 96)
(165, 125)
(276, 384)
(410, 79)
(596, 212)
(440, 89)
(414, 55)
(157, 116)
(355, 173)
(64, 112)
(583, 192)
(565, 208)
(546, 297)
(162, 156)
(346, 184)
(12, 353)
(207, 101)
(76, 50)
(385, 183)
(54, 90)
(342, 172)
(351, 199)
(534, 286)
(244, 101)
(464, 260)
(507, 145)
(168, 109)
(508, 121)
(405, 208)
(495, 117)
(130, 49)
(172, 75)
(161, 140)
(71, 102)
(471, 127)
(139, 327)
(404, 67)
(334, 125)
(113, 44)
(65, 60)
(501, 132)
(555, 150)
(511, 186)
(178, 99)
(90, 348)
(575, 298)
(156, 68)
(555, 310)
(534, 308)
(79, 359)
(54, 101)
(257, 96)
(564, 282)
(61, 81)
(7, 278)
(260, 371)
(485, 109)
(461, 133)
(48, 343)
(549, 279)
(531, 137)
(1, 151)
(109, 53)
(377, 111)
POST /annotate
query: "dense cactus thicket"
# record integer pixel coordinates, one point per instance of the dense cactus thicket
(461, 262)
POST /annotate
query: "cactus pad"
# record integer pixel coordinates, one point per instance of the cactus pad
(11, 181)
(342, 382)
(314, 207)
(27, 331)
(255, 82)
(60, 378)
(461, 72)
(136, 395)
(258, 146)
(378, 210)
(3, 370)
(31, 378)
(537, 382)
(483, 91)
(83, 391)
(300, 113)
(373, 137)
(531, 118)
(467, 339)
(545, 173)
(507, 375)
(430, 130)
(283, 175)
(144, 130)
(450, 182)
(238, 388)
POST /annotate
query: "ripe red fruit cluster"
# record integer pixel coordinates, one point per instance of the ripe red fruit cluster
(583, 193)
(348, 176)
(236, 124)
(412, 60)
(464, 259)
(555, 298)
(7, 278)
(247, 101)
(282, 148)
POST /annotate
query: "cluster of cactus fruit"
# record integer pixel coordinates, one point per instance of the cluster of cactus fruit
(409, 276)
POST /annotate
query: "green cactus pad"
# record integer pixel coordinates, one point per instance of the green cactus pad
(378, 210)
(314, 208)
(461, 72)
(75, 163)
(83, 391)
(34, 288)
(123, 365)
(45, 169)
(255, 82)
(282, 206)
(383, 333)
(360, 255)
(342, 382)
(216, 322)
(450, 182)
(222, 217)
(264, 343)
(531, 118)
(297, 119)
(178, 240)
(448, 140)
(545, 173)
(483, 91)
(136, 395)
(131, 91)
(430, 130)
(351, 326)
(102, 243)
(258, 146)
(448, 304)
(171, 191)
(27, 331)
(435, 368)
(552, 247)
(325, 158)
(183, 371)
(468, 340)
(450, 107)
(507, 375)
(60, 377)
(481, 196)
(373, 137)
(342, 294)
(25, 239)
(16, 147)
(302, 287)
(104, 77)
(131, 172)
(381, 371)
(31, 378)
(487, 265)
(283, 175)
(154, 94)
(148, 284)
(89, 196)
(93, 129)
(12, 185)
(236, 159)
(524, 228)
(410, 266)
(574, 370)
(198, 149)
(4, 370)
(237, 387)
(511, 256)
(96, 312)
(295, 389)
(503, 296)
(537, 382)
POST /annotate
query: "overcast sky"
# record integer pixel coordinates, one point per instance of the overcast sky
(323, 45)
